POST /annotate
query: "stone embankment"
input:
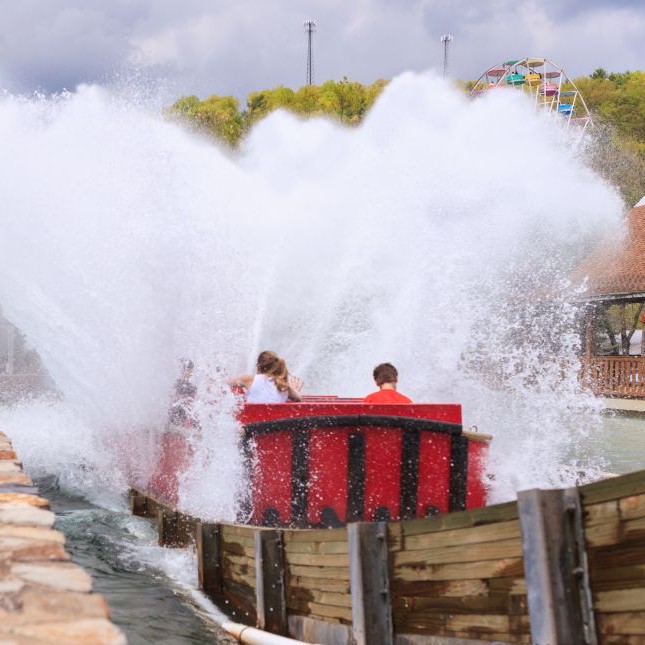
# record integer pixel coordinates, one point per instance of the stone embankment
(44, 598)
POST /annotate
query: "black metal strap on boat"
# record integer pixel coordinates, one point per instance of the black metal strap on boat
(410, 473)
(299, 476)
(458, 472)
(352, 420)
(356, 477)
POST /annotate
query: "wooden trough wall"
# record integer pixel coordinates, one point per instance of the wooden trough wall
(460, 575)
(615, 539)
(563, 567)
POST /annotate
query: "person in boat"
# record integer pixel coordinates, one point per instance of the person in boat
(181, 411)
(184, 385)
(386, 377)
(271, 383)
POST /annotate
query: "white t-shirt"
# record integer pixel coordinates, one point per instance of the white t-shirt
(264, 390)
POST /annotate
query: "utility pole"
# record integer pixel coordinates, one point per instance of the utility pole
(310, 27)
(446, 39)
(11, 336)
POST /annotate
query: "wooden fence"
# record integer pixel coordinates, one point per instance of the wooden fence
(614, 376)
(565, 567)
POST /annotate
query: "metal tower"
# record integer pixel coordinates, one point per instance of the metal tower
(310, 27)
(446, 39)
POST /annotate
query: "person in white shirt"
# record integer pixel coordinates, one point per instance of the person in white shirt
(271, 383)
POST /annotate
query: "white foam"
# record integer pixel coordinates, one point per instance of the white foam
(422, 237)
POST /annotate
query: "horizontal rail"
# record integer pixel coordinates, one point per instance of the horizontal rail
(614, 376)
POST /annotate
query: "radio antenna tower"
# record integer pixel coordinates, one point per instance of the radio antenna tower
(310, 27)
(446, 39)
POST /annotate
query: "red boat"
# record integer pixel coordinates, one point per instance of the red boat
(328, 461)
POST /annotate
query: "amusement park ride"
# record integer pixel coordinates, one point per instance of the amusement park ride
(548, 85)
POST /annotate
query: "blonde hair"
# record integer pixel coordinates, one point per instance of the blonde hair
(271, 365)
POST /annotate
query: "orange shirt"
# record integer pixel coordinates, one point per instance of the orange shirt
(386, 396)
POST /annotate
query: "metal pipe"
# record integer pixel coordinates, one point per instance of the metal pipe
(253, 636)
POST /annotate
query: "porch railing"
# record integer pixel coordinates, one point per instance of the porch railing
(618, 376)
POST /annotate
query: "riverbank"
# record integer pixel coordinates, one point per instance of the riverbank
(44, 598)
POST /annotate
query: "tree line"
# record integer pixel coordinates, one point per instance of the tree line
(616, 101)
(223, 118)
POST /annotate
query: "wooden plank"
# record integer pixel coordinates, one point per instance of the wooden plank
(423, 639)
(238, 550)
(614, 488)
(237, 577)
(510, 586)
(601, 513)
(174, 529)
(231, 531)
(309, 630)
(632, 508)
(316, 584)
(241, 598)
(241, 560)
(270, 582)
(315, 535)
(506, 567)
(137, 503)
(613, 530)
(621, 600)
(298, 595)
(497, 638)
(611, 578)
(325, 548)
(605, 533)
(634, 528)
(237, 572)
(311, 608)
(470, 625)
(626, 553)
(209, 573)
(622, 623)
(369, 584)
(320, 573)
(237, 542)
(467, 553)
(461, 519)
(480, 624)
(464, 605)
(322, 560)
(457, 537)
(442, 589)
(622, 639)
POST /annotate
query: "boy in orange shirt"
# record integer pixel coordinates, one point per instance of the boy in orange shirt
(386, 377)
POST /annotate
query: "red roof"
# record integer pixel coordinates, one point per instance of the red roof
(617, 266)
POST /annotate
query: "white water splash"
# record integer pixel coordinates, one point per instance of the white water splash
(426, 237)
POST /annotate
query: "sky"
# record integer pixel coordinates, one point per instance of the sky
(223, 47)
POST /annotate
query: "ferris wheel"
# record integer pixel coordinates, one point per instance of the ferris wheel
(548, 85)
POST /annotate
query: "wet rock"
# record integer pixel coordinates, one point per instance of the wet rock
(25, 514)
(59, 575)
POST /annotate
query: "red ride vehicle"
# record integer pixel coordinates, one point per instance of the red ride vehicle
(327, 461)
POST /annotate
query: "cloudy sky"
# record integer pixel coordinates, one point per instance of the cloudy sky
(208, 47)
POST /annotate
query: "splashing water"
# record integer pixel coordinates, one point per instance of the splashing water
(427, 237)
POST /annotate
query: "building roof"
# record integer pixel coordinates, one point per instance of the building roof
(616, 268)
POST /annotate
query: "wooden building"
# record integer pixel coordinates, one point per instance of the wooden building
(613, 364)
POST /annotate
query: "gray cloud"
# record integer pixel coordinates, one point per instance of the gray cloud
(236, 46)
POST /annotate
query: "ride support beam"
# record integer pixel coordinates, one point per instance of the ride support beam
(369, 583)
(555, 566)
(270, 596)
